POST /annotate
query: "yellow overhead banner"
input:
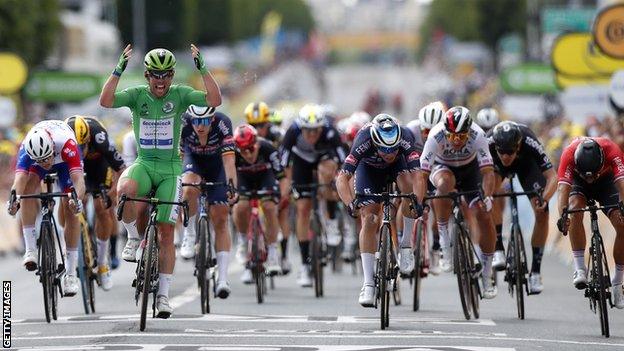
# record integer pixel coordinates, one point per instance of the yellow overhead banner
(608, 30)
(13, 73)
(574, 54)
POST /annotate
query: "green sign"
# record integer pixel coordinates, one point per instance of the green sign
(559, 19)
(63, 86)
(530, 78)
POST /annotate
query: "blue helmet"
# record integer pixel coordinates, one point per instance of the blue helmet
(385, 132)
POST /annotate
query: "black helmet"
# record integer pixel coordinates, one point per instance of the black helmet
(457, 120)
(507, 136)
(588, 157)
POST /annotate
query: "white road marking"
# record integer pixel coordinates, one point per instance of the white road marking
(158, 347)
(394, 335)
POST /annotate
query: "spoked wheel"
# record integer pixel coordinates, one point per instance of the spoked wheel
(419, 259)
(202, 265)
(83, 276)
(396, 292)
(460, 264)
(256, 262)
(600, 283)
(519, 270)
(46, 272)
(474, 266)
(384, 278)
(317, 264)
(148, 263)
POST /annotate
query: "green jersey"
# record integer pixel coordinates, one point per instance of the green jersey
(157, 122)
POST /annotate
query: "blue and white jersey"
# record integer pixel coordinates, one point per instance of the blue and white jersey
(220, 138)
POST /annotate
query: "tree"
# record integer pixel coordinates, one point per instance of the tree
(29, 28)
(498, 18)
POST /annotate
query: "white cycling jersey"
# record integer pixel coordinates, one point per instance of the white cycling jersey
(414, 127)
(129, 148)
(439, 150)
(61, 133)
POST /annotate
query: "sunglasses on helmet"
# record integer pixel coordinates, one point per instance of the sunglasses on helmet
(203, 121)
(160, 74)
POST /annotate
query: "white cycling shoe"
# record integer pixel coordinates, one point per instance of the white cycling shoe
(105, 277)
(580, 279)
(406, 261)
(434, 263)
(446, 261)
(272, 263)
(187, 250)
(247, 276)
(130, 250)
(223, 289)
(367, 296)
(163, 307)
(305, 276)
(489, 289)
(498, 261)
(31, 257)
(535, 283)
(618, 296)
(70, 285)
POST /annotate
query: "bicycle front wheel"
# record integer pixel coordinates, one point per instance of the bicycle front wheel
(147, 262)
(83, 275)
(518, 270)
(256, 261)
(601, 283)
(202, 260)
(317, 263)
(383, 283)
(46, 270)
(419, 259)
(460, 262)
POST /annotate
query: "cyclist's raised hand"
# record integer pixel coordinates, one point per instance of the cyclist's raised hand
(199, 60)
(123, 60)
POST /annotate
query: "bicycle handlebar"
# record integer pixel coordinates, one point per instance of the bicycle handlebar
(101, 190)
(540, 199)
(312, 186)
(454, 195)
(154, 202)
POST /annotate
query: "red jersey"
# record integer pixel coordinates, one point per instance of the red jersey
(613, 160)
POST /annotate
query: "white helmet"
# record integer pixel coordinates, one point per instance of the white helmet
(487, 118)
(39, 144)
(311, 116)
(431, 115)
(360, 117)
(385, 131)
(200, 111)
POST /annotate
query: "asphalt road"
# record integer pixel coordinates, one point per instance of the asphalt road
(293, 319)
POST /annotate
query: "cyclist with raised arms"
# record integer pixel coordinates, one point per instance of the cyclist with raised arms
(428, 117)
(50, 147)
(156, 110)
(516, 150)
(310, 144)
(208, 147)
(259, 168)
(102, 166)
(456, 156)
(382, 151)
(592, 168)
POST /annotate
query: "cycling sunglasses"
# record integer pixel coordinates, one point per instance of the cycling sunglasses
(44, 160)
(457, 137)
(387, 150)
(204, 121)
(160, 74)
(506, 151)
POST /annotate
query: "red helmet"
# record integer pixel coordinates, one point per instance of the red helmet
(245, 136)
(352, 131)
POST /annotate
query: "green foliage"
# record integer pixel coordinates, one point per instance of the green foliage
(29, 28)
(474, 20)
(173, 24)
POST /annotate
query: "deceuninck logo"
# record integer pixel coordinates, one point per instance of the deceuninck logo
(6, 314)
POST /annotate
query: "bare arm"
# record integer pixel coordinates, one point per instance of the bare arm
(488, 181)
(229, 164)
(19, 183)
(342, 186)
(79, 184)
(564, 196)
(551, 184)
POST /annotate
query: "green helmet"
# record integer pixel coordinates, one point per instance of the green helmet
(275, 117)
(159, 60)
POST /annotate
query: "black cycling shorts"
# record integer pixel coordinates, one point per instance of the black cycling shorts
(303, 172)
(98, 173)
(467, 178)
(259, 181)
(602, 190)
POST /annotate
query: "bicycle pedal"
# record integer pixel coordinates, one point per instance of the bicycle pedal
(134, 283)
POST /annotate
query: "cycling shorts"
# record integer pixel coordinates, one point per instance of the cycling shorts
(602, 190)
(303, 172)
(162, 176)
(259, 181)
(467, 178)
(369, 179)
(529, 175)
(97, 173)
(211, 170)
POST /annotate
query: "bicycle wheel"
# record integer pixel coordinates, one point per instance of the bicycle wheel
(46, 272)
(600, 283)
(148, 260)
(474, 267)
(83, 275)
(461, 270)
(91, 262)
(419, 256)
(383, 283)
(256, 262)
(202, 265)
(518, 270)
(317, 263)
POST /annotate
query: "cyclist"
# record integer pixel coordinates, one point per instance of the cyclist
(262, 119)
(428, 117)
(156, 110)
(516, 150)
(258, 166)
(487, 118)
(382, 150)
(208, 147)
(311, 144)
(100, 159)
(456, 156)
(592, 168)
(50, 147)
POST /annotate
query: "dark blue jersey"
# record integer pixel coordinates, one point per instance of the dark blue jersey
(220, 138)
